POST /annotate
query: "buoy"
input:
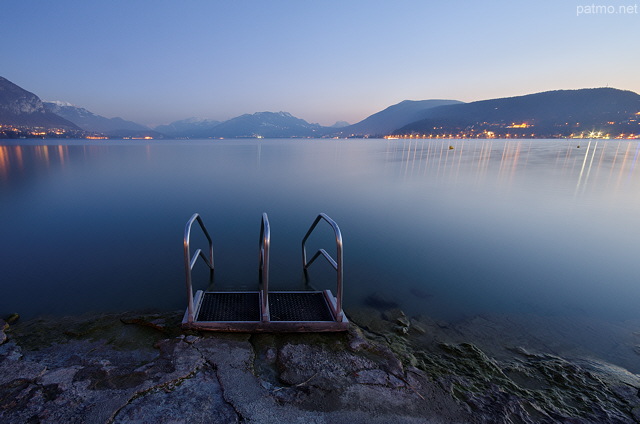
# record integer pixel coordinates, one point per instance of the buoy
(450, 147)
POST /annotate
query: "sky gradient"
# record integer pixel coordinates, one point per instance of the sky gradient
(157, 61)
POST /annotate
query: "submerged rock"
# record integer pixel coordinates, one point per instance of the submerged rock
(397, 316)
(380, 301)
(3, 326)
(473, 361)
(11, 319)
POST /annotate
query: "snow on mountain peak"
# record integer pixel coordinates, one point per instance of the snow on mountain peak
(59, 103)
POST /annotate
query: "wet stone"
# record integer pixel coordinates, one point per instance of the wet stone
(299, 363)
(271, 355)
(378, 377)
(198, 399)
(190, 339)
(13, 318)
(402, 330)
(396, 316)
(3, 327)
(417, 328)
(357, 342)
(103, 370)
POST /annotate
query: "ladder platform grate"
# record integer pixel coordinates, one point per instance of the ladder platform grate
(299, 306)
(222, 306)
(263, 310)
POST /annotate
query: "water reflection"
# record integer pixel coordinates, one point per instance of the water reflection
(530, 225)
(609, 163)
(442, 228)
(605, 164)
(16, 161)
(446, 228)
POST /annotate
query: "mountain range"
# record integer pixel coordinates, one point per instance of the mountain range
(394, 117)
(553, 113)
(90, 122)
(558, 113)
(188, 128)
(22, 108)
(268, 125)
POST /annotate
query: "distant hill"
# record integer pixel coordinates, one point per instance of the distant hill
(393, 117)
(340, 124)
(260, 124)
(91, 122)
(188, 128)
(551, 113)
(20, 107)
(267, 125)
(561, 113)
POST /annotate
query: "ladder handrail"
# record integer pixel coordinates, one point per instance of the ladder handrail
(336, 264)
(263, 264)
(190, 261)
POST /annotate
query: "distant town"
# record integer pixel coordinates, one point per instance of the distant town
(593, 113)
(526, 130)
(23, 131)
(499, 131)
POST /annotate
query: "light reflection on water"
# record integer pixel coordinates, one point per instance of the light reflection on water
(446, 228)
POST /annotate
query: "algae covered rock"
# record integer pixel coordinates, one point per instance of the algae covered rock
(3, 326)
(475, 364)
(140, 367)
(13, 318)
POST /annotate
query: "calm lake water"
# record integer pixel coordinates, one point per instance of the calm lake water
(546, 227)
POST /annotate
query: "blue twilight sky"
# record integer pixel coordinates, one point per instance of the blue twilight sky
(156, 61)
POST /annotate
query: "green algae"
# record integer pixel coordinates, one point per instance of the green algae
(128, 331)
(532, 387)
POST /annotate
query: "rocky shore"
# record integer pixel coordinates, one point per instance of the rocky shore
(388, 368)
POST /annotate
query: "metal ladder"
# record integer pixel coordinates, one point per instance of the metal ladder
(264, 310)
